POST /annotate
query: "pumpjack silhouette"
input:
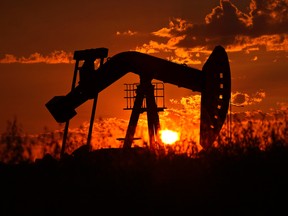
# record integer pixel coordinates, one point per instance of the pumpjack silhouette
(213, 82)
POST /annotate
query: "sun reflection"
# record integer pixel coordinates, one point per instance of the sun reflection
(169, 137)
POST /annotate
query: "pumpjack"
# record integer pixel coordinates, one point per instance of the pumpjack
(213, 82)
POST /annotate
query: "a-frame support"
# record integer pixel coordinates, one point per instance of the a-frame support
(144, 90)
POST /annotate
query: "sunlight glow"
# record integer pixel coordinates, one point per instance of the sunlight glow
(169, 137)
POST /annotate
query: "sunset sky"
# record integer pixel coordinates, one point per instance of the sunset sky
(38, 39)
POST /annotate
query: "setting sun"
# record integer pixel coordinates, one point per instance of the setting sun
(169, 137)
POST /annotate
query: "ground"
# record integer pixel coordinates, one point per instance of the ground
(138, 183)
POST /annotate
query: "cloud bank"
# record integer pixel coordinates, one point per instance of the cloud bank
(56, 57)
(264, 27)
(126, 33)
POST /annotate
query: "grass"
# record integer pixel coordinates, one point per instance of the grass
(259, 133)
(136, 182)
(244, 173)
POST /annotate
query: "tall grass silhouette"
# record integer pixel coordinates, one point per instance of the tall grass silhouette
(244, 172)
(242, 135)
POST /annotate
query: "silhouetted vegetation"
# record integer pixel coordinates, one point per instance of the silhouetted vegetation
(244, 173)
(261, 134)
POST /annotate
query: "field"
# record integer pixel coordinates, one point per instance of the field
(136, 182)
(239, 177)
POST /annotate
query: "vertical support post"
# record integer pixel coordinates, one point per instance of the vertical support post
(230, 123)
(65, 133)
(152, 117)
(93, 114)
(134, 118)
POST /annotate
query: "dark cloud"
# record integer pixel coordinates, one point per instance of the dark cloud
(56, 57)
(227, 25)
(269, 17)
(226, 20)
(244, 99)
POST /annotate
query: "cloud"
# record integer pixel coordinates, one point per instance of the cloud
(269, 42)
(106, 131)
(269, 17)
(175, 25)
(55, 57)
(244, 99)
(263, 27)
(283, 105)
(9, 59)
(181, 55)
(255, 58)
(227, 25)
(126, 33)
(227, 20)
(184, 118)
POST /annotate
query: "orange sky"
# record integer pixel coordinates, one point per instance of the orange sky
(38, 39)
